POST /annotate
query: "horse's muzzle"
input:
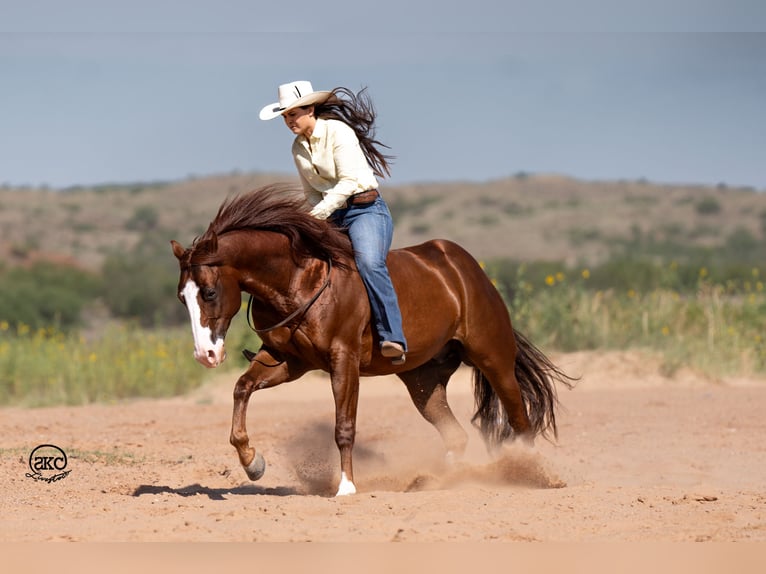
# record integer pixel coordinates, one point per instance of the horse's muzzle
(210, 358)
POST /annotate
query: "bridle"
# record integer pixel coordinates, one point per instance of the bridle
(299, 312)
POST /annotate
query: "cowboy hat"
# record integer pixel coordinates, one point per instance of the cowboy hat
(293, 95)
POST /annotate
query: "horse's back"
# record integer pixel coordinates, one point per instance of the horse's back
(439, 282)
(440, 257)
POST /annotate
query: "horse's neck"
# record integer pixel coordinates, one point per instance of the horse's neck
(265, 264)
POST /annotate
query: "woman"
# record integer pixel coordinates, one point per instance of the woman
(338, 160)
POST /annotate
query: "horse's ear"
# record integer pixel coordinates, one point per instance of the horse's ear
(178, 249)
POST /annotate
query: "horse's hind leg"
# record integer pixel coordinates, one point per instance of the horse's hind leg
(496, 380)
(427, 386)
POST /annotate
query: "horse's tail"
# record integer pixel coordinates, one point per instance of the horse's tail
(536, 375)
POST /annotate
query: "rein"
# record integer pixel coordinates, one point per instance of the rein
(298, 312)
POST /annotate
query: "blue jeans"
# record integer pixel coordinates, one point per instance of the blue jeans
(371, 230)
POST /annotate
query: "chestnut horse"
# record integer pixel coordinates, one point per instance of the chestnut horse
(310, 308)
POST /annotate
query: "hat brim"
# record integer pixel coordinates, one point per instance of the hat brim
(273, 110)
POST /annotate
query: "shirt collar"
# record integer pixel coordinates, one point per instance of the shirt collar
(320, 129)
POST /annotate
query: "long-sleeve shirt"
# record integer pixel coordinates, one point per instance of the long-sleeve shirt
(331, 166)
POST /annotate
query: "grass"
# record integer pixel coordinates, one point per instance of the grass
(111, 458)
(116, 456)
(717, 328)
(46, 367)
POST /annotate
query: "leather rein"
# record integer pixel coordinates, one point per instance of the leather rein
(299, 312)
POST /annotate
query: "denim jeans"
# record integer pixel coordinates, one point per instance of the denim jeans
(371, 230)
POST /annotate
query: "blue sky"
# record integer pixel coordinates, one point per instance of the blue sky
(95, 91)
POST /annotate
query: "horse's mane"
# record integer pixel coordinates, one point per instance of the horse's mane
(280, 208)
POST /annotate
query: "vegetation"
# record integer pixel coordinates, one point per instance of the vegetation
(141, 284)
(624, 265)
(41, 367)
(44, 366)
(716, 327)
(45, 295)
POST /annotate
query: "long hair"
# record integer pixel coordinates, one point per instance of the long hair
(358, 112)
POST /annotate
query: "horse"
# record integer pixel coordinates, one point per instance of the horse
(311, 311)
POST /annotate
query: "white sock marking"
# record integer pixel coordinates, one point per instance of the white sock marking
(346, 486)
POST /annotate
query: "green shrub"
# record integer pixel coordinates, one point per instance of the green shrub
(141, 284)
(743, 245)
(410, 206)
(708, 206)
(144, 218)
(45, 295)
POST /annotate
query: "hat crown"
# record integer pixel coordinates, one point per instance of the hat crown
(292, 92)
(293, 95)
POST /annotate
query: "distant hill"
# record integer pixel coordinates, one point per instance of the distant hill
(525, 217)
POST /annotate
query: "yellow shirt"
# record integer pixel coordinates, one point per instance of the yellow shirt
(332, 166)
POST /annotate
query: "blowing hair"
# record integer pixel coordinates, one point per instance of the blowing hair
(358, 112)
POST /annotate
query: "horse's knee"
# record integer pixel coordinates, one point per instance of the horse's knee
(243, 389)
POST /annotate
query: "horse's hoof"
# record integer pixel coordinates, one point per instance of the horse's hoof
(256, 468)
(346, 487)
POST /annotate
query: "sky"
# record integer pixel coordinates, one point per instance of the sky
(672, 91)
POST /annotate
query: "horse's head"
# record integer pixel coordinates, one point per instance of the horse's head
(211, 294)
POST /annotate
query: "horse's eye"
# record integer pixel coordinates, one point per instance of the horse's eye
(208, 294)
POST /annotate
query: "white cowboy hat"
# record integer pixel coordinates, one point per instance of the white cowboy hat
(293, 95)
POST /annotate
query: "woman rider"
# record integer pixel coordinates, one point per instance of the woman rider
(338, 160)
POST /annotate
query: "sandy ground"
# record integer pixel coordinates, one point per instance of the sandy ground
(640, 457)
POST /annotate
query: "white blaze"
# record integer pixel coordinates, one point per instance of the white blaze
(206, 351)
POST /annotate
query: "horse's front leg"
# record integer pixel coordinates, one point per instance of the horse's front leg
(345, 389)
(264, 372)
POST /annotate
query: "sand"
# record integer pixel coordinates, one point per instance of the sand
(640, 457)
